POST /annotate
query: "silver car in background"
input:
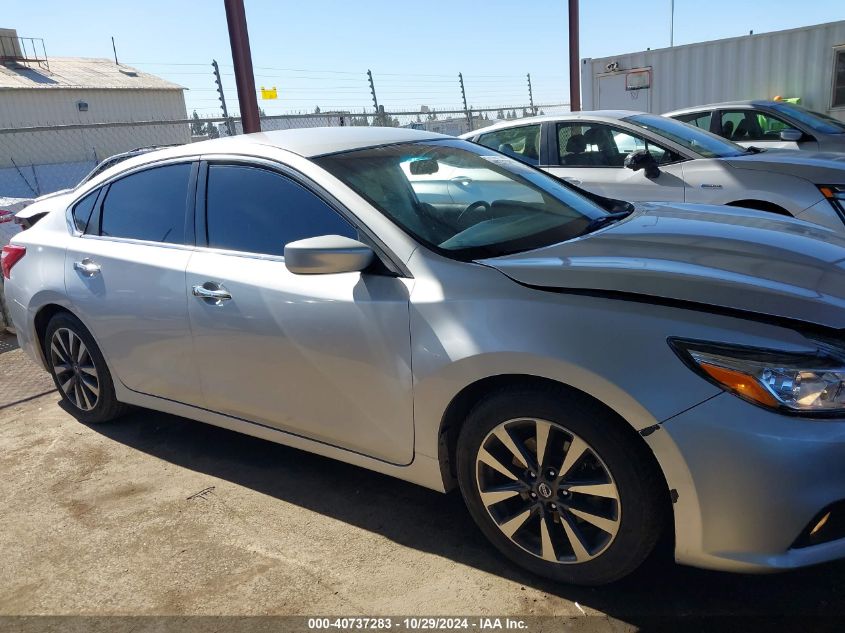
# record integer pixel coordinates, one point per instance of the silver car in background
(637, 156)
(587, 372)
(767, 124)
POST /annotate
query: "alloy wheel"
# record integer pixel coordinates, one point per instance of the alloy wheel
(74, 369)
(547, 490)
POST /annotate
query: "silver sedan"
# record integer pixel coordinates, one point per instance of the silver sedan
(588, 372)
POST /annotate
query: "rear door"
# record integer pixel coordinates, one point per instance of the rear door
(591, 155)
(322, 356)
(125, 274)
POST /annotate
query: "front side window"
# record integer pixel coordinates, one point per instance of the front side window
(521, 143)
(601, 145)
(751, 125)
(698, 119)
(255, 210)
(700, 142)
(82, 210)
(148, 205)
(463, 200)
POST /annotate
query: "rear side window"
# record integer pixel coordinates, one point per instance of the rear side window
(698, 119)
(521, 143)
(82, 211)
(254, 210)
(148, 205)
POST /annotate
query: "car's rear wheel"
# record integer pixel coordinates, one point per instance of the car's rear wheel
(559, 486)
(79, 370)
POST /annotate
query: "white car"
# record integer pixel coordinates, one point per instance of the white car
(646, 157)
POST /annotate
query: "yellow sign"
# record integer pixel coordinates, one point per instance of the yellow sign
(269, 93)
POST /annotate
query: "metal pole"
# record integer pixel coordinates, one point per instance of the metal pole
(242, 58)
(531, 96)
(574, 60)
(464, 97)
(373, 92)
(229, 127)
(671, 23)
(114, 48)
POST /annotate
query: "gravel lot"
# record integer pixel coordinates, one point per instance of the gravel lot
(157, 514)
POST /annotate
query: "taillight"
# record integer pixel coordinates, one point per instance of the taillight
(12, 254)
(6, 216)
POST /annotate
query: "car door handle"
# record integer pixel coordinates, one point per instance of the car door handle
(87, 267)
(216, 295)
(461, 180)
(572, 181)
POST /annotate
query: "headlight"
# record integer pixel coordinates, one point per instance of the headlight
(806, 384)
(835, 195)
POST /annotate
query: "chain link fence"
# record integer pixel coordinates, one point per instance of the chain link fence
(38, 160)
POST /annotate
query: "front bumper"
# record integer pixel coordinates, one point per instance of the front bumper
(749, 482)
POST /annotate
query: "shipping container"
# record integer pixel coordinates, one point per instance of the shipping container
(806, 63)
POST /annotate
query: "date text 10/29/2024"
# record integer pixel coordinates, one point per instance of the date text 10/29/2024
(417, 624)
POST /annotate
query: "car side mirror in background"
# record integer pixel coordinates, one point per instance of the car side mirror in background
(642, 159)
(791, 135)
(327, 254)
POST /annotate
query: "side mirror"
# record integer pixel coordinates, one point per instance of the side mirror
(327, 254)
(642, 159)
(793, 136)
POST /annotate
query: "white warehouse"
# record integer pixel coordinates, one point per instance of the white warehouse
(806, 63)
(60, 116)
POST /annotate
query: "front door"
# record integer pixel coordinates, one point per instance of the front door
(591, 155)
(326, 357)
(126, 278)
(760, 129)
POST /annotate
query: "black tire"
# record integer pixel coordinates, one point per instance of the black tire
(641, 491)
(106, 407)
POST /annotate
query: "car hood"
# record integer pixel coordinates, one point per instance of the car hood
(719, 256)
(817, 167)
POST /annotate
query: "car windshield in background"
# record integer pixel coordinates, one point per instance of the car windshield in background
(819, 122)
(694, 139)
(464, 200)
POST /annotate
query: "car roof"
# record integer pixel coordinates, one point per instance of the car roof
(724, 104)
(569, 116)
(317, 141)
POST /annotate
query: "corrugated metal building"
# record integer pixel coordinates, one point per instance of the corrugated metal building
(807, 62)
(62, 115)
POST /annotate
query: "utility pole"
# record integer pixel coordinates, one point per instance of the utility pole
(242, 58)
(531, 96)
(671, 23)
(574, 59)
(375, 100)
(464, 97)
(229, 127)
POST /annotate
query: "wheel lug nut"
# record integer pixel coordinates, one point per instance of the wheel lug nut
(551, 473)
(532, 474)
(533, 495)
(553, 506)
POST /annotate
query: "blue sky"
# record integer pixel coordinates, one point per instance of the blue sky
(317, 53)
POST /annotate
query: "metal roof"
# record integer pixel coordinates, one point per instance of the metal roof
(81, 72)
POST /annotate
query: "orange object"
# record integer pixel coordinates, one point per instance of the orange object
(742, 384)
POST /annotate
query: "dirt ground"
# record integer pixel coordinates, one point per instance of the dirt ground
(156, 514)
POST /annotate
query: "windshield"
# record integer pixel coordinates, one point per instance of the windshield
(694, 139)
(464, 200)
(817, 121)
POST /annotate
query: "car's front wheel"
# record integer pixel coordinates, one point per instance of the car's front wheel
(79, 370)
(559, 486)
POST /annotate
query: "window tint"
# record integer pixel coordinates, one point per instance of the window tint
(698, 119)
(751, 125)
(838, 96)
(82, 210)
(148, 205)
(522, 143)
(600, 145)
(258, 211)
